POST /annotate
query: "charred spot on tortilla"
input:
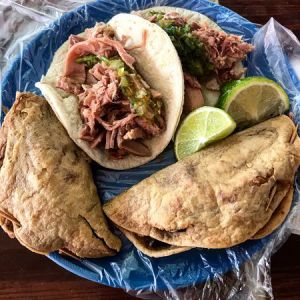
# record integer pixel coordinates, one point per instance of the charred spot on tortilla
(56, 206)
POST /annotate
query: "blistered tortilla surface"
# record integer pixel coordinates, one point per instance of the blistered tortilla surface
(48, 199)
(218, 197)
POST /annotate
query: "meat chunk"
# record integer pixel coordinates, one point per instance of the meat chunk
(148, 126)
(177, 19)
(73, 39)
(135, 133)
(70, 85)
(193, 97)
(126, 57)
(100, 30)
(223, 49)
(191, 80)
(135, 147)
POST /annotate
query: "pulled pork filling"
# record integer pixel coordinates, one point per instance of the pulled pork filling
(118, 108)
(208, 55)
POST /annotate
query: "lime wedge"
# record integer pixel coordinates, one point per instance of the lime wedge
(252, 100)
(200, 128)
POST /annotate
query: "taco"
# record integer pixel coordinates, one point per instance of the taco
(48, 199)
(210, 57)
(216, 198)
(112, 87)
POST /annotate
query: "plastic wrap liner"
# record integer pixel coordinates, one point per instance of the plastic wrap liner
(30, 33)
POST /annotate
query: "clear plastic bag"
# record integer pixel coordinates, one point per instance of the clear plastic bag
(31, 31)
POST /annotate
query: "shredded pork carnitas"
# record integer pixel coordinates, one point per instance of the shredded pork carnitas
(222, 50)
(118, 111)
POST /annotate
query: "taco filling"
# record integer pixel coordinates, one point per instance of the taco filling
(118, 108)
(209, 55)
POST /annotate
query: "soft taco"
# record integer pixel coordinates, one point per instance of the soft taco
(118, 90)
(210, 57)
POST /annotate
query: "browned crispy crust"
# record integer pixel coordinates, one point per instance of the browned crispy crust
(278, 216)
(152, 247)
(48, 199)
(218, 197)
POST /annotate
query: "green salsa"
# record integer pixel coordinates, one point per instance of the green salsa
(88, 60)
(131, 84)
(190, 49)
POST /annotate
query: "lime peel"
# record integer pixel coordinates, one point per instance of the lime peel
(252, 100)
(200, 128)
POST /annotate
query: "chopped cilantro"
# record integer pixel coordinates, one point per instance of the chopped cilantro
(189, 47)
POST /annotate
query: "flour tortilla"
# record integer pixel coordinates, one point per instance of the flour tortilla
(210, 97)
(158, 63)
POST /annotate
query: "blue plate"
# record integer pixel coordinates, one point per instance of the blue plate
(130, 269)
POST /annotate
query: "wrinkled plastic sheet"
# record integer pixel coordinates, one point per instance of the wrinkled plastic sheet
(30, 33)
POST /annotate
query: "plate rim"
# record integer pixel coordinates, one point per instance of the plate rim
(68, 264)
